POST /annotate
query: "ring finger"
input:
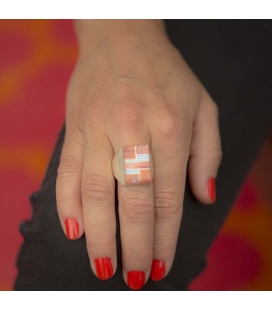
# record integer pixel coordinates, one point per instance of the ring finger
(136, 212)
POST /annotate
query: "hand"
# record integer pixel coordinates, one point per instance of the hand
(131, 86)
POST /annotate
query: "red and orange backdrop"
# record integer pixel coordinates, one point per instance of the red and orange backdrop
(36, 60)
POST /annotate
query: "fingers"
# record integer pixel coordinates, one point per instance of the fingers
(205, 152)
(136, 214)
(98, 200)
(149, 216)
(136, 202)
(170, 151)
(68, 192)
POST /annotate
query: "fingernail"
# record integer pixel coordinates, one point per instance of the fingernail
(157, 270)
(104, 268)
(212, 189)
(71, 229)
(135, 279)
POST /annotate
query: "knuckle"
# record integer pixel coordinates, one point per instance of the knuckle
(69, 166)
(215, 155)
(163, 244)
(137, 208)
(96, 188)
(127, 115)
(169, 127)
(64, 200)
(166, 205)
(98, 239)
(136, 255)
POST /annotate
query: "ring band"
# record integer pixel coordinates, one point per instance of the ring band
(133, 165)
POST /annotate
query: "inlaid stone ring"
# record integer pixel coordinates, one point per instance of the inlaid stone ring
(133, 165)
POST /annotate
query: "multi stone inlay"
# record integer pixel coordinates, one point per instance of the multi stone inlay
(137, 164)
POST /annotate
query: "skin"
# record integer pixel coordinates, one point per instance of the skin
(131, 86)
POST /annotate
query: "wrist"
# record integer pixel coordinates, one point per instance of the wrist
(91, 33)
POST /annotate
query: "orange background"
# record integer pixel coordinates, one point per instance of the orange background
(36, 60)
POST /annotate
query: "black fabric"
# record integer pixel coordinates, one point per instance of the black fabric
(233, 61)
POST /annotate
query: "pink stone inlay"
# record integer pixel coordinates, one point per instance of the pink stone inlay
(137, 164)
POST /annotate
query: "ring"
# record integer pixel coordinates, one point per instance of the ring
(133, 165)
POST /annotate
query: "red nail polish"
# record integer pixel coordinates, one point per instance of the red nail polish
(71, 229)
(135, 279)
(157, 270)
(212, 189)
(104, 269)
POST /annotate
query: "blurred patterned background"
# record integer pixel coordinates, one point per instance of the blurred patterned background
(36, 60)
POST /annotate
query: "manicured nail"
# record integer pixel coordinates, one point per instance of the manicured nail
(212, 189)
(135, 279)
(104, 268)
(71, 229)
(157, 270)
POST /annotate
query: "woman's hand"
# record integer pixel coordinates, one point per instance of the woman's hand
(131, 86)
